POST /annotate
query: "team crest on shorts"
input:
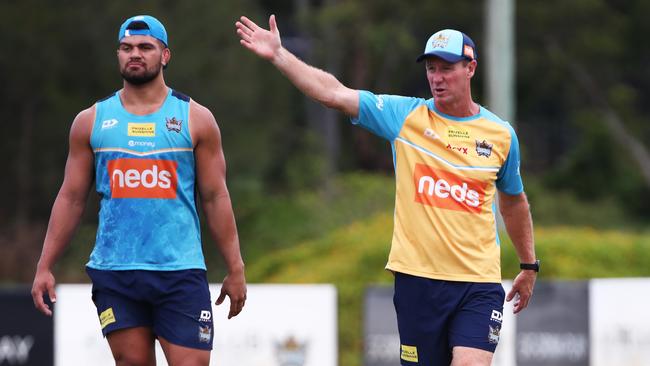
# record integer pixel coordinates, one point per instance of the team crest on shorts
(205, 333)
(493, 334)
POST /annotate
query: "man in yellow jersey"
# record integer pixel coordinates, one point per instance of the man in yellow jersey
(450, 155)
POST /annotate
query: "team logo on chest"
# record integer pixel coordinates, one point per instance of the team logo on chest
(173, 124)
(483, 148)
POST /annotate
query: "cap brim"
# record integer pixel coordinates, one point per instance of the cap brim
(449, 57)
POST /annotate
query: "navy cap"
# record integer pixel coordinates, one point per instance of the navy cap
(450, 45)
(143, 25)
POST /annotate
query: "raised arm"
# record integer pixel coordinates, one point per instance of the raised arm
(67, 209)
(315, 83)
(216, 204)
(519, 225)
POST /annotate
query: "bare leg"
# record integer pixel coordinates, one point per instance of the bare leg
(132, 346)
(466, 356)
(184, 356)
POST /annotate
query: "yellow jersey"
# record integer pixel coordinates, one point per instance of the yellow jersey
(447, 171)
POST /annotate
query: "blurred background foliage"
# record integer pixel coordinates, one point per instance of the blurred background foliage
(314, 197)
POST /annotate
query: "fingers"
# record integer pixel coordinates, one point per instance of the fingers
(243, 31)
(236, 307)
(511, 294)
(249, 23)
(273, 26)
(51, 292)
(520, 305)
(222, 296)
(244, 36)
(37, 297)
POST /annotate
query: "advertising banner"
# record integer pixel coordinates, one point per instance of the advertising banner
(620, 322)
(26, 335)
(281, 325)
(554, 329)
(381, 345)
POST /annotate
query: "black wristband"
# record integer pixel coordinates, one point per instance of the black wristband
(530, 266)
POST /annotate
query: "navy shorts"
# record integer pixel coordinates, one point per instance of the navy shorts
(174, 304)
(433, 316)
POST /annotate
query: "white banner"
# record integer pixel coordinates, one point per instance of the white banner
(620, 323)
(505, 353)
(281, 325)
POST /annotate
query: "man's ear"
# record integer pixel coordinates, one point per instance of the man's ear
(166, 56)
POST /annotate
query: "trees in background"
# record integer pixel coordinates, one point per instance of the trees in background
(58, 58)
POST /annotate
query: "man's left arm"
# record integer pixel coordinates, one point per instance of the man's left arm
(216, 204)
(519, 225)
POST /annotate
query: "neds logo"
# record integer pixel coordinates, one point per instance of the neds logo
(446, 190)
(143, 178)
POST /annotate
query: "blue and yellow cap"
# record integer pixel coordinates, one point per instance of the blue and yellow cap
(143, 25)
(450, 45)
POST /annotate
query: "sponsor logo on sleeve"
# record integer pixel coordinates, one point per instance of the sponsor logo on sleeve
(143, 178)
(142, 129)
(442, 189)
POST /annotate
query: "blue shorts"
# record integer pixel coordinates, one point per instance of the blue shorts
(434, 316)
(174, 304)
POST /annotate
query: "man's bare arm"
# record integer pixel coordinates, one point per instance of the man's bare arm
(315, 83)
(519, 225)
(216, 204)
(68, 207)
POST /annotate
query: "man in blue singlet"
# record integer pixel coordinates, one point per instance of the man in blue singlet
(149, 148)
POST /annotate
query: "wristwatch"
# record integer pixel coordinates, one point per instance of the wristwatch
(530, 266)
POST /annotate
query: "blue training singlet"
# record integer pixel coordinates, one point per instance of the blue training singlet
(145, 176)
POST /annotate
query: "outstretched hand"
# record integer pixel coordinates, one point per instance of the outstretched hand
(262, 42)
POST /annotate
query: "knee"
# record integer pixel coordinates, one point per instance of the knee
(134, 359)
